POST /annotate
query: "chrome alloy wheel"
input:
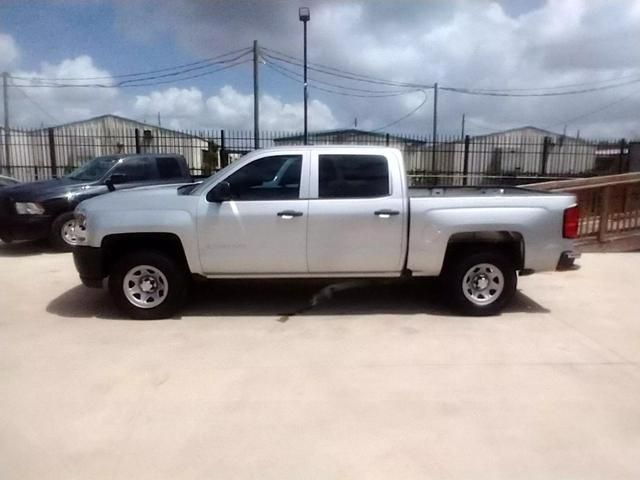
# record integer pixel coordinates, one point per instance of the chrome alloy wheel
(68, 232)
(145, 286)
(483, 284)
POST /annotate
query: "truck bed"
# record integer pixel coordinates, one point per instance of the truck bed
(421, 192)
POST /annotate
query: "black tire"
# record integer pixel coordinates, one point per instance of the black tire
(56, 239)
(177, 282)
(461, 266)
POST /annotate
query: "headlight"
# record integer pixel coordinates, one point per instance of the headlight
(29, 208)
(81, 226)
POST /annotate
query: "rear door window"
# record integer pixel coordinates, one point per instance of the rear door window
(138, 169)
(353, 176)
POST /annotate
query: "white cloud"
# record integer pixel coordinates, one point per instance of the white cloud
(8, 50)
(35, 101)
(182, 107)
(228, 108)
(233, 109)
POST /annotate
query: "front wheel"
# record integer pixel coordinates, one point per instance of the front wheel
(148, 285)
(63, 234)
(480, 283)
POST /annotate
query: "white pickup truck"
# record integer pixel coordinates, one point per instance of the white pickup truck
(319, 211)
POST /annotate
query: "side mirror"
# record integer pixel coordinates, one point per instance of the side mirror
(115, 179)
(220, 193)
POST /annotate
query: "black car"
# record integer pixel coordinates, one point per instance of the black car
(39, 210)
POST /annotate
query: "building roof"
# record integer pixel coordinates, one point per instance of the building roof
(347, 131)
(541, 131)
(124, 119)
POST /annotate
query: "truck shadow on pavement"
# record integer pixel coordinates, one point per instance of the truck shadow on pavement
(285, 299)
(25, 249)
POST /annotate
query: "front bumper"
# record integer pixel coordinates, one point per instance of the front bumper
(25, 227)
(90, 265)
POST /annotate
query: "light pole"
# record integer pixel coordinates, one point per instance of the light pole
(305, 16)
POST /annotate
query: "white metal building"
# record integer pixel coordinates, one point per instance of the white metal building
(76, 142)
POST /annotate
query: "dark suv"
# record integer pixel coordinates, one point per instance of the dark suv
(37, 210)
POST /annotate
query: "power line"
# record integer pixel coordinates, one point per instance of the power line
(326, 70)
(142, 82)
(601, 108)
(137, 74)
(321, 68)
(556, 87)
(36, 104)
(424, 100)
(370, 93)
(547, 94)
(277, 69)
(342, 73)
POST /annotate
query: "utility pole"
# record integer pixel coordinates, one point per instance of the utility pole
(462, 132)
(256, 99)
(7, 135)
(435, 123)
(159, 121)
(305, 15)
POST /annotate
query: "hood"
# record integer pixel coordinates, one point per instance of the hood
(45, 189)
(142, 198)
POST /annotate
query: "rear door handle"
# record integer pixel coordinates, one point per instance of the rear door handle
(288, 214)
(386, 213)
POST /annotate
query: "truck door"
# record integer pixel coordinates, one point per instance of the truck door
(263, 228)
(356, 214)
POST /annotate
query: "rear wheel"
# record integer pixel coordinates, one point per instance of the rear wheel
(148, 285)
(481, 282)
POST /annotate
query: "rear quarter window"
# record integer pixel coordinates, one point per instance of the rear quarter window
(169, 167)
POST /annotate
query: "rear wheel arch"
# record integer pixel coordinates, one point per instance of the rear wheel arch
(508, 243)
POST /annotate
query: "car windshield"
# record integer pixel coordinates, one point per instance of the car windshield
(94, 169)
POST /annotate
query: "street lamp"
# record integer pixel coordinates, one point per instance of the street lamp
(305, 16)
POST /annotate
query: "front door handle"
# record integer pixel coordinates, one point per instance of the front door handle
(386, 213)
(289, 214)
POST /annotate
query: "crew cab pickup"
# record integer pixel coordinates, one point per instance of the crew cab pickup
(319, 211)
(38, 210)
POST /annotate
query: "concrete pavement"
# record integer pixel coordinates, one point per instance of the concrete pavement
(376, 382)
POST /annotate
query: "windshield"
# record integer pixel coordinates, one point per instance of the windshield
(94, 169)
(212, 179)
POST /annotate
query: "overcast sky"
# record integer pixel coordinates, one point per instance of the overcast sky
(510, 45)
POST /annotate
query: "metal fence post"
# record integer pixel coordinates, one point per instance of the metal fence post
(545, 156)
(52, 154)
(465, 172)
(224, 158)
(137, 140)
(621, 159)
(386, 139)
(605, 197)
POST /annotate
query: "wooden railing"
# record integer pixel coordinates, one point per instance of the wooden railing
(609, 205)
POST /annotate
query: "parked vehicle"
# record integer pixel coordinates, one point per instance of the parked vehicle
(38, 210)
(7, 181)
(319, 211)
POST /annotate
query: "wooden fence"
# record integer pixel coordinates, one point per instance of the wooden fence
(609, 205)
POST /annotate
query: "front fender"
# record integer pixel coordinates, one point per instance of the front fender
(177, 222)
